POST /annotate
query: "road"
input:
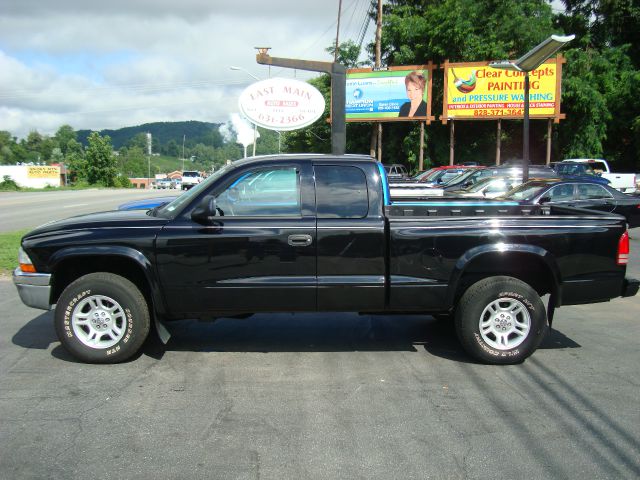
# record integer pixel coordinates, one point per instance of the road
(324, 396)
(19, 210)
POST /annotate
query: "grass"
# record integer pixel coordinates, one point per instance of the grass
(9, 244)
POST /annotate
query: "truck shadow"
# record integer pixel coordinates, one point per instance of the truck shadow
(301, 332)
(332, 332)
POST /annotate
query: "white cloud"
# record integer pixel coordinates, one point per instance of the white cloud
(112, 64)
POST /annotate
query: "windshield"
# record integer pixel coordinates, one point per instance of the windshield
(185, 198)
(460, 178)
(423, 175)
(480, 184)
(526, 191)
(574, 169)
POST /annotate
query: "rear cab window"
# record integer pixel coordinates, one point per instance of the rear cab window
(341, 192)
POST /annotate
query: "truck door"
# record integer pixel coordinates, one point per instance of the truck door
(351, 240)
(259, 253)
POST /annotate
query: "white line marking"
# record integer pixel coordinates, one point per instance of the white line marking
(76, 205)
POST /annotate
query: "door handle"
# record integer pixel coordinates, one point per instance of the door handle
(299, 240)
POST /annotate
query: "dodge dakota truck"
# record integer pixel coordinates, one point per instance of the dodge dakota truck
(319, 233)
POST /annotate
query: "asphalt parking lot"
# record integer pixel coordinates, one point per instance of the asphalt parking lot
(335, 396)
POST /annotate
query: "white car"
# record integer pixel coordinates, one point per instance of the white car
(190, 178)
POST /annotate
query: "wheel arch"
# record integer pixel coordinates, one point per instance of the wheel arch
(70, 264)
(530, 264)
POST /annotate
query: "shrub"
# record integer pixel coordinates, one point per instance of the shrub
(8, 184)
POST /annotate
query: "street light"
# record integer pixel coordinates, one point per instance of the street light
(526, 63)
(255, 127)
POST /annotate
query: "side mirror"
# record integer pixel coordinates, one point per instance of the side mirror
(205, 211)
(544, 200)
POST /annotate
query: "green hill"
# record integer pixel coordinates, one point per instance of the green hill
(163, 133)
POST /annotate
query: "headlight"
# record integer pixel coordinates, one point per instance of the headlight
(26, 265)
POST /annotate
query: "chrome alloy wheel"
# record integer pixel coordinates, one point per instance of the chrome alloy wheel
(99, 321)
(505, 323)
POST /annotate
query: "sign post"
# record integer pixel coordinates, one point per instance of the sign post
(338, 76)
(528, 64)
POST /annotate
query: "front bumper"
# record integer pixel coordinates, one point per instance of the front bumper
(34, 288)
(630, 287)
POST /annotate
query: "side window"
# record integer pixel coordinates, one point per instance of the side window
(341, 192)
(586, 192)
(561, 193)
(262, 193)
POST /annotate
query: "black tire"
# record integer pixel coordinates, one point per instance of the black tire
(102, 318)
(504, 306)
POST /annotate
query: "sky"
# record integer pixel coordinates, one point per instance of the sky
(110, 64)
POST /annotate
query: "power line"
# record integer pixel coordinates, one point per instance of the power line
(132, 88)
(365, 24)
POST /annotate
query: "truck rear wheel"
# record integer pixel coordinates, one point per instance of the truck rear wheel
(500, 320)
(102, 318)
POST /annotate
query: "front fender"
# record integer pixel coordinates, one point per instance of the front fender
(114, 251)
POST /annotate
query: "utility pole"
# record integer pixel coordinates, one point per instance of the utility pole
(149, 159)
(184, 136)
(376, 131)
(335, 52)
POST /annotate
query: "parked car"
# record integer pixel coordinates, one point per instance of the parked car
(471, 177)
(396, 171)
(145, 204)
(624, 182)
(165, 184)
(578, 171)
(433, 178)
(190, 178)
(319, 233)
(490, 187)
(582, 194)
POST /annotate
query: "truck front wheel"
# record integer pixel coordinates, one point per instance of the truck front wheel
(500, 320)
(102, 318)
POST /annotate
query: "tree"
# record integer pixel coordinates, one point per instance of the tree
(348, 54)
(6, 152)
(76, 163)
(172, 149)
(134, 162)
(63, 136)
(101, 164)
(600, 78)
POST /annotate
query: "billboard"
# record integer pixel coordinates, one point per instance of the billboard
(390, 94)
(44, 171)
(475, 91)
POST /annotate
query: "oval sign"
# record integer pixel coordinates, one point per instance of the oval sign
(281, 104)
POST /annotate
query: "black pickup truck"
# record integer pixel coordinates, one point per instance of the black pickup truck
(319, 233)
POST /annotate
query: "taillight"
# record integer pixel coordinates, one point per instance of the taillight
(623, 249)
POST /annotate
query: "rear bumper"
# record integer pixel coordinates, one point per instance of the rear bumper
(34, 288)
(630, 287)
